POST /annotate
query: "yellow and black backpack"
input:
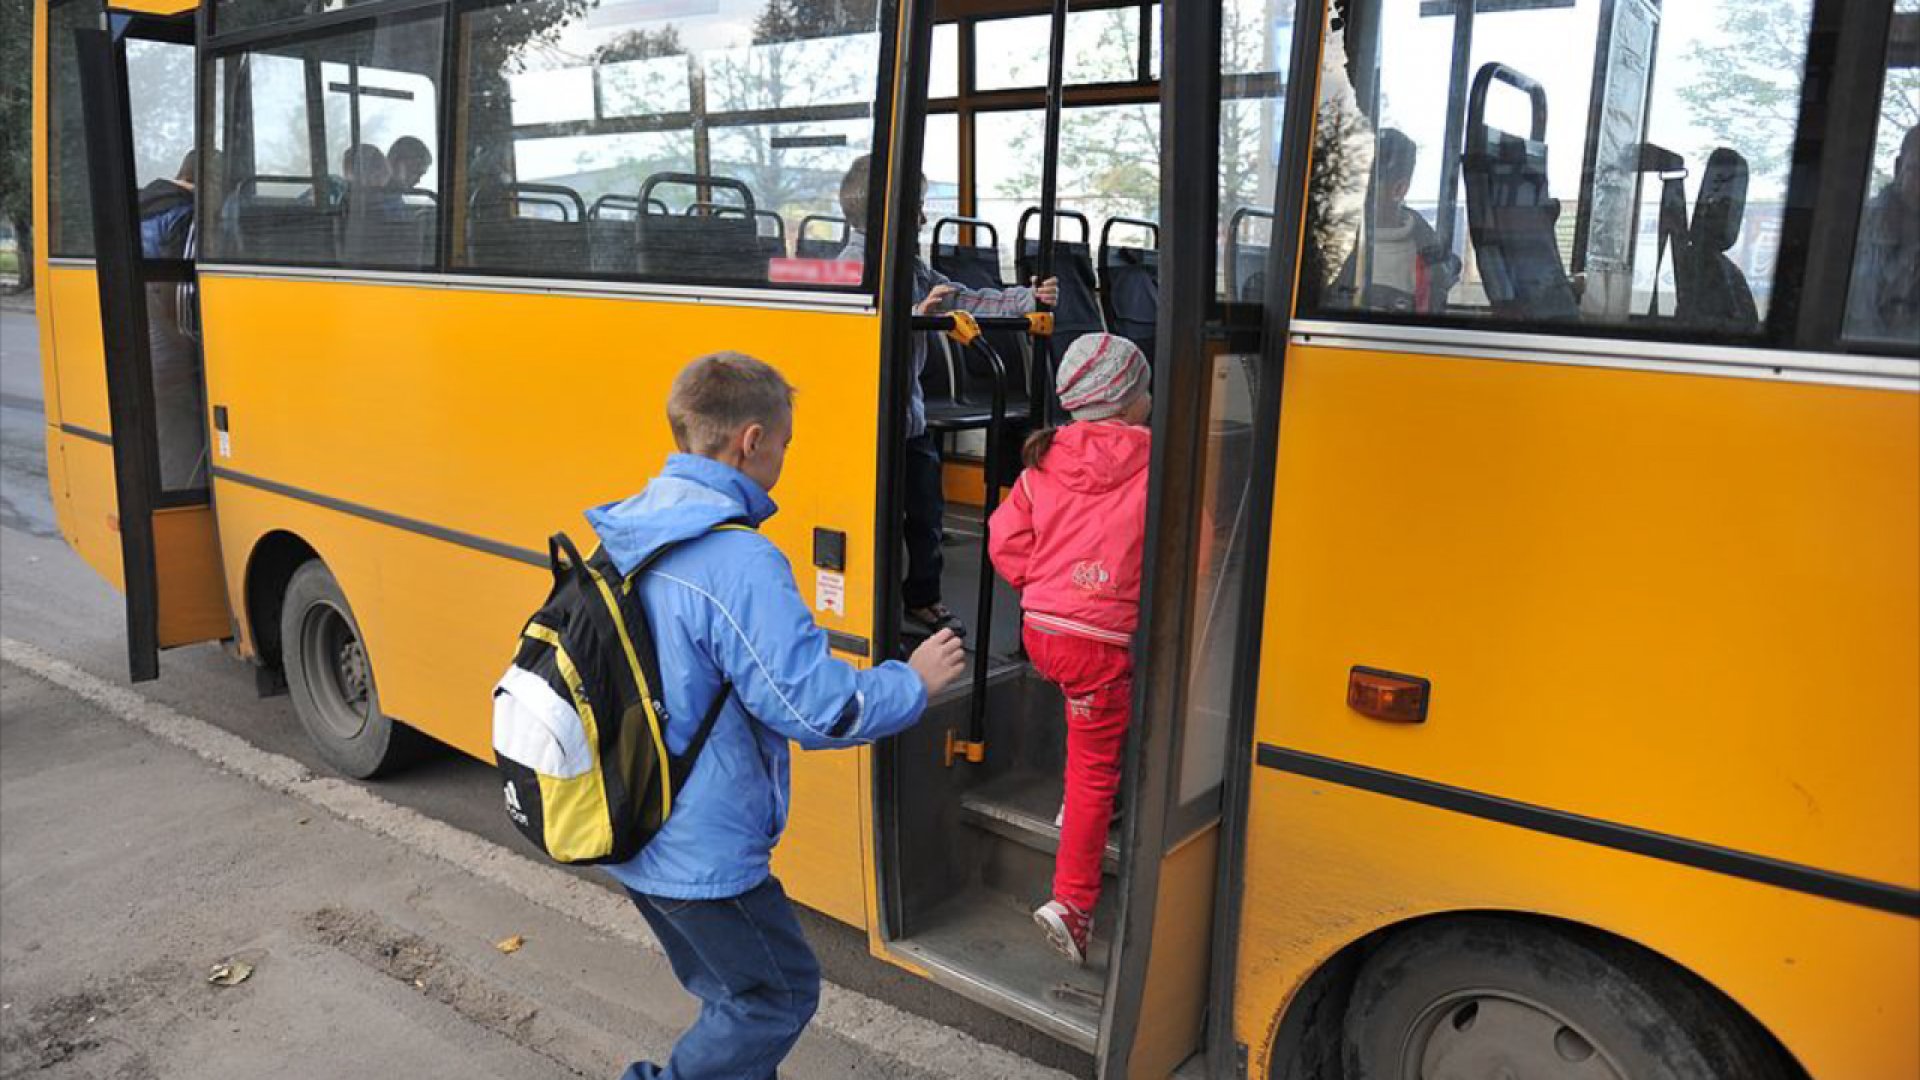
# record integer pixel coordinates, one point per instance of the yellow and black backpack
(580, 718)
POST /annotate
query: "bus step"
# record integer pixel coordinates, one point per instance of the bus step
(984, 945)
(1020, 806)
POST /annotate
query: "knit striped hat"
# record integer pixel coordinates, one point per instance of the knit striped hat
(1099, 375)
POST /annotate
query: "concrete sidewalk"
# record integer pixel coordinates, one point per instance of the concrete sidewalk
(130, 866)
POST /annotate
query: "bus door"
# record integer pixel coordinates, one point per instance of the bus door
(968, 800)
(1230, 197)
(137, 94)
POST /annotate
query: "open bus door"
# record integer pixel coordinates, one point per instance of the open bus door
(175, 593)
(1222, 336)
(967, 839)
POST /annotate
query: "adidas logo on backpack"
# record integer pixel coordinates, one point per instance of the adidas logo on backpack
(579, 731)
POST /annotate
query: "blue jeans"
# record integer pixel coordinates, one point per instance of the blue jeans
(757, 981)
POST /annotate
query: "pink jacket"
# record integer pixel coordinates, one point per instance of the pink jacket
(1071, 533)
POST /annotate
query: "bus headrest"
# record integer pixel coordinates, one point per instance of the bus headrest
(1721, 206)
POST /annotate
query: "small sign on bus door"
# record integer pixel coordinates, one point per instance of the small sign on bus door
(830, 592)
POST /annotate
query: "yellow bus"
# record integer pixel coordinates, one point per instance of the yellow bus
(1529, 672)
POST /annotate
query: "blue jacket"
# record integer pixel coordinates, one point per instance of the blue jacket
(723, 606)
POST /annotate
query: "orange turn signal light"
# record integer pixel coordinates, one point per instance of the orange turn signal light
(1388, 695)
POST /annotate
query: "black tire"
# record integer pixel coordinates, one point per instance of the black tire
(330, 678)
(1480, 996)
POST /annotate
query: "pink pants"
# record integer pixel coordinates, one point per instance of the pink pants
(1097, 679)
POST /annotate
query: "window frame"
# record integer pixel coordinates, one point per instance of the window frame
(881, 112)
(1831, 139)
(368, 18)
(970, 102)
(453, 86)
(50, 170)
(1873, 84)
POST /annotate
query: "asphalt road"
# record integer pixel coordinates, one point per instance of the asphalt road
(51, 600)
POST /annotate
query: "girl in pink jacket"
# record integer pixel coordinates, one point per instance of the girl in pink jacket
(1069, 537)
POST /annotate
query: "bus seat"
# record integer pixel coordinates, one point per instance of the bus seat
(719, 247)
(1130, 283)
(956, 389)
(772, 244)
(976, 265)
(1247, 263)
(1710, 291)
(613, 234)
(385, 234)
(525, 226)
(1511, 215)
(1078, 311)
(807, 244)
(272, 228)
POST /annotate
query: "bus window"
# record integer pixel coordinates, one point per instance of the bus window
(620, 142)
(350, 184)
(1883, 302)
(70, 209)
(940, 161)
(1591, 163)
(1109, 166)
(161, 114)
(166, 172)
(1102, 47)
(1254, 38)
(943, 67)
(232, 15)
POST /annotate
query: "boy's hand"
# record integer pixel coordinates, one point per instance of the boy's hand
(939, 661)
(1048, 291)
(936, 301)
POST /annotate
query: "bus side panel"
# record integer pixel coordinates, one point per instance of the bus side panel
(817, 842)
(1326, 865)
(93, 508)
(193, 595)
(500, 418)
(1682, 603)
(73, 364)
(1685, 603)
(80, 365)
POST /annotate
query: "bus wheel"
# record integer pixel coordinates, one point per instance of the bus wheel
(1478, 997)
(330, 677)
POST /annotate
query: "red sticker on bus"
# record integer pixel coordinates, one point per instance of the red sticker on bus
(814, 271)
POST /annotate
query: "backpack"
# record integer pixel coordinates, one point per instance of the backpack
(580, 719)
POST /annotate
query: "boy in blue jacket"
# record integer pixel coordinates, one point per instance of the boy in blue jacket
(725, 611)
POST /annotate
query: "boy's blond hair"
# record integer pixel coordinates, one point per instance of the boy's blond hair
(720, 393)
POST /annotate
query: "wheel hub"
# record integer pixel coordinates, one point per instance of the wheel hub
(342, 679)
(352, 665)
(1483, 1037)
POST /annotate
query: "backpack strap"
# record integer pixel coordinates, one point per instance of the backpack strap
(680, 767)
(562, 556)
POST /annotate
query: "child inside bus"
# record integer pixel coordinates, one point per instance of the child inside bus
(1407, 268)
(728, 619)
(926, 504)
(1070, 537)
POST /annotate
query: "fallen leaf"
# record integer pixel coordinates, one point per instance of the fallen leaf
(232, 973)
(511, 945)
